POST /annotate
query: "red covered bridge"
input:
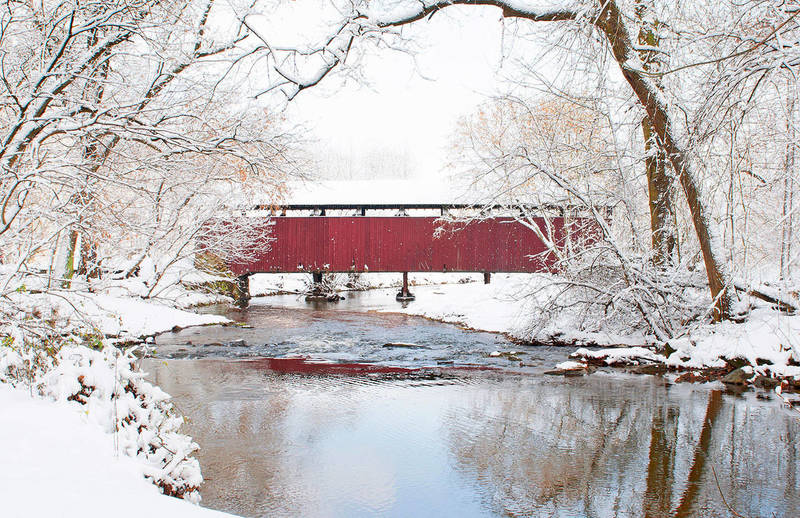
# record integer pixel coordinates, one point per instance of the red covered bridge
(401, 243)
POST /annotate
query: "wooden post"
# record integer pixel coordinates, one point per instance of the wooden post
(404, 294)
(487, 277)
(242, 290)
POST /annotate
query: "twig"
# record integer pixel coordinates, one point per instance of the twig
(714, 472)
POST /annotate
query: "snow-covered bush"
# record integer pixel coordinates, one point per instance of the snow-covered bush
(108, 388)
(597, 292)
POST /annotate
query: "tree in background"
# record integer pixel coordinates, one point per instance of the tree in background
(663, 231)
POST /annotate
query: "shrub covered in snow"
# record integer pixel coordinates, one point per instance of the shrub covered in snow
(108, 388)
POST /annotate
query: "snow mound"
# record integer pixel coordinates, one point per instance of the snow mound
(107, 389)
(119, 316)
(768, 340)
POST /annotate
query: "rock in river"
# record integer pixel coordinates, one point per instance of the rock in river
(738, 376)
(402, 345)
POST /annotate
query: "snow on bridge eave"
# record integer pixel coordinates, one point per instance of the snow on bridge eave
(373, 192)
(417, 193)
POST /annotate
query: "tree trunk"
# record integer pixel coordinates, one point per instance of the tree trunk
(69, 266)
(611, 23)
(662, 212)
(90, 266)
(663, 230)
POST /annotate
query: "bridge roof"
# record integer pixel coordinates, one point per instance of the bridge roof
(433, 192)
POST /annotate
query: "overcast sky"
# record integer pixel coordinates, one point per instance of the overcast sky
(401, 118)
(408, 109)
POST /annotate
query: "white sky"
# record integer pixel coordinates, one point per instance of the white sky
(399, 120)
(407, 110)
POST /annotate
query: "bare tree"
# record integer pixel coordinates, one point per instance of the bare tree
(659, 182)
(121, 133)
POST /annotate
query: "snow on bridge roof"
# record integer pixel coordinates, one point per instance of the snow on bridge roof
(374, 192)
(431, 192)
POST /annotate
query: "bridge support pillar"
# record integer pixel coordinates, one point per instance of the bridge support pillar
(487, 277)
(405, 294)
(319, 292)
(242, 290)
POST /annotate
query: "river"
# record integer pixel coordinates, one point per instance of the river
(305, 412)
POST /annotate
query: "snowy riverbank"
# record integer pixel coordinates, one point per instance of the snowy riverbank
(57, 463)
(110, 314)
(768, 340)
(85, 429)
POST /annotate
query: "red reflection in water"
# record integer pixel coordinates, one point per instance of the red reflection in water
(306, 366)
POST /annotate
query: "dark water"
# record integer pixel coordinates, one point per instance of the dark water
(360, 430)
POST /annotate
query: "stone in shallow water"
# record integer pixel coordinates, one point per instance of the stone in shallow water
(402, 345)
(765, 382)
(737, 377)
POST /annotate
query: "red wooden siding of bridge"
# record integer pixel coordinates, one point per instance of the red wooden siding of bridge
(398, 244)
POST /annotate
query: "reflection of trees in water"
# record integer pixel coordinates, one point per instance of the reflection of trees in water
(255, 428)
(240, 441)
(599, 447)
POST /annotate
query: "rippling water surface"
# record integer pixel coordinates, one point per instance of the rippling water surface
(312, 416)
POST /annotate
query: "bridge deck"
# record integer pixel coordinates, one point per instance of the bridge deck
(399, 244)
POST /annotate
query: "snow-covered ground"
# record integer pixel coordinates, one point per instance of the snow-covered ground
(769, 340)
(274, 283)
(83, 434)
(768, 344)
(111, 313)
(55, 463)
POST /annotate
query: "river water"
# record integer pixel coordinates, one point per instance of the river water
(306, 413)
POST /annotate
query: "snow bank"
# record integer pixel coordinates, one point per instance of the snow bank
(58, 463)
(111, 315)
(768, 340)
(125, 416)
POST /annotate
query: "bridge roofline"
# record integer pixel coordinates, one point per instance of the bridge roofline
(428, 206)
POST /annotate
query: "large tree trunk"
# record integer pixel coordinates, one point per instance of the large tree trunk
(611, 23)
(663, 230)
(662, 212)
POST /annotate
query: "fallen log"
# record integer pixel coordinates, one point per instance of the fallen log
(772, 298)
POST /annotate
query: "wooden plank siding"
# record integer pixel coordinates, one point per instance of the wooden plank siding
(399, 244)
